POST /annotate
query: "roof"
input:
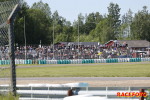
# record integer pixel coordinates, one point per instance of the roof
(65, 43)
(133, 43)
(85, 43)
(80, 43)
(148, 47)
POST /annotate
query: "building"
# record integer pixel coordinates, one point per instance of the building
(80, 43)
(137, 47)
(140, 45)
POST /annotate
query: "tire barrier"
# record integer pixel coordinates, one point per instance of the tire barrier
(28, 61)
(111, 60)
(124, 59)
(86, 61)
(4, 62)
(75, 61)
(100, 60)
(136, 59)
(63, 62)
(51, 62)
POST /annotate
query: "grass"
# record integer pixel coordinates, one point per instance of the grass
(117, 70)
(9, 97)
(106, 70)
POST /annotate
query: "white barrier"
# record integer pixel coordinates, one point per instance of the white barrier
(16, 61)
(51, 61)
(100, 60)
(71, 61)
(104, 60)
(142, 59)
(47, 61)
(119, 60)
(75, 61)
(59, 91)
(85, 97)
(80, 61)
(55, 61)
(125, 59)
(147, 59)
(128, 59)
(21, 61)
(95, 60)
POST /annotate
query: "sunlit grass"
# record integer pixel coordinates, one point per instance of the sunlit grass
(9, 97)
(111, 70)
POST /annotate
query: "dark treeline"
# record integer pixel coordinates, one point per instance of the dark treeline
(93, 27)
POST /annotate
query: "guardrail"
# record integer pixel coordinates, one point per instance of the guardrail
(75, 61)
(59, 91)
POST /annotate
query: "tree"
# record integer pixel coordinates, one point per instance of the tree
(19, 24)
(103, 31)
(37, 25)
(5, 0)
(125, 26)
(61, 37)
(129, 17)
(113, 18)
(140, 25)
(129, 20)
(42, 7)
(90, 23)
(68, 30)
(98, 17)
(81, 23)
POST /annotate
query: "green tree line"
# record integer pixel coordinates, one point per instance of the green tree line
(93, 27)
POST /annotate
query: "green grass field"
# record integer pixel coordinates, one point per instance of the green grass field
(9, 97)
(104, 70)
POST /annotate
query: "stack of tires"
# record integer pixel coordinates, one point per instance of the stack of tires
(86, 61)
(63, 62)
(4, 62)
(111, 60)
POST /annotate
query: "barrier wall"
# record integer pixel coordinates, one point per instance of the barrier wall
(75, 61)
(59, 91)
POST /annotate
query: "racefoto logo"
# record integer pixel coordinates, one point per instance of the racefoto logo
(131, 94)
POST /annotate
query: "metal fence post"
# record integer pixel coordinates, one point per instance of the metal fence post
(10, 23)
(12, 59)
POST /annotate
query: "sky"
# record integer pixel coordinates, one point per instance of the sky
(70, 9)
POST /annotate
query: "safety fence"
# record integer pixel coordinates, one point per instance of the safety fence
(77, 61)
(60, 91)
(8, 13)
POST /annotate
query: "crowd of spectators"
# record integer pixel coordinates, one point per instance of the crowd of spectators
(4, 53)
(64, 52)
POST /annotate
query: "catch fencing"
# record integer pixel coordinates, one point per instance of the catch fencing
(8, 12)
